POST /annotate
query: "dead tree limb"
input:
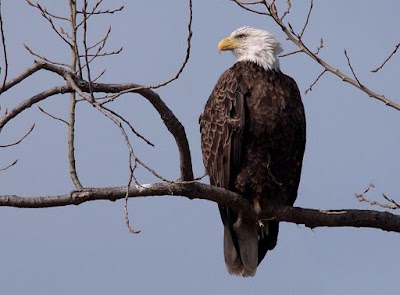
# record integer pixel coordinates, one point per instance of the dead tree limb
(311, 218)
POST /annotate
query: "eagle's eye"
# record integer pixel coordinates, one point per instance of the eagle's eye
(240, 36)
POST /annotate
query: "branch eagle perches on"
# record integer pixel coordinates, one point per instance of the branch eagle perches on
(311, 218)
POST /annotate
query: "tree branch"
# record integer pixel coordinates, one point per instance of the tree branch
(31, 101)
(311, 218)
(3, 42)
(173, 125)
(387, 59)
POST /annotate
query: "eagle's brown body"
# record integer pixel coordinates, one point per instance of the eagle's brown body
(253, 139)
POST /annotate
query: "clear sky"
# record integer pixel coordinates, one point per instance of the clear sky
(352, 140)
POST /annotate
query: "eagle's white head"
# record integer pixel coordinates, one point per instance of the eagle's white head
(250, 44)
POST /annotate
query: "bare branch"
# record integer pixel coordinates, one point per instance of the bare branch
(290, 53)
(320, 46)
(127, 222)
(395, 204)
(362, 198)
(100, 108)
(94, 11)
(243, 5)
(130, 126)
(71, 124)
(10, 165)
(45, 11)
(43, 57)
(107, 11)
(53, 117)
(311, 218)
(49, 18)
(286, 12)
(99, 76)
(387, 59)
(171, 122)
(352, 70)
(3, 42)
(30, 102)
(315, 82)
(20, 140)
(307, 19)
(189, 39)
(115, 52)
(85, 29)
(26, 73)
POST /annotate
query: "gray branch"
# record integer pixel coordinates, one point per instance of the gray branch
(311, 218)
(172, 123)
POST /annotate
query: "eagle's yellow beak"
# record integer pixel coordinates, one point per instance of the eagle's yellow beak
(228, 44)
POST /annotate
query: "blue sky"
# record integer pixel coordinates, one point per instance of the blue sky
(352, 140)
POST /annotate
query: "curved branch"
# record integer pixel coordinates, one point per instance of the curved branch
(311, 218)
(170, 120)
(172, 123)
(3, 42)
(19, 140)
(25, 74)
(188, 48)
(31, 101)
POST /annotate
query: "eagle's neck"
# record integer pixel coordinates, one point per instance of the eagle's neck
(267, 59)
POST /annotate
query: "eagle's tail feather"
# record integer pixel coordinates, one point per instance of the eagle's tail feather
(241, 248)
(245, 245)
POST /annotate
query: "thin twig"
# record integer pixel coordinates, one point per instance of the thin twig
(352, 70)
(3, 42)
(180, 70)
(243, 5)
(320, 46)
(19, 140)
(315, 82)
(307, 19)
(10, 165)
(188, 48)
(85, 5)
(30, 102)
(49, 18)
(43, 57)
(387, 59)
(363, 198)
(108, 11)
(289, 6)
(44, 10)
(395, 204)
(130, 126)
(53, 117)
(115, 52)
(290, 53)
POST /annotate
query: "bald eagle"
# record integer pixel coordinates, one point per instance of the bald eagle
(253, 134)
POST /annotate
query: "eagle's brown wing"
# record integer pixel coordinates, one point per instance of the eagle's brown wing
(221, 127)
